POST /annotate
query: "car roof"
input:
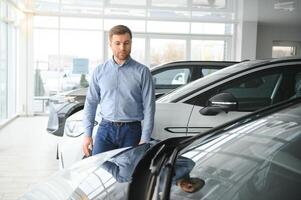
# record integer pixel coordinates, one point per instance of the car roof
(191, 87)
(193, 63)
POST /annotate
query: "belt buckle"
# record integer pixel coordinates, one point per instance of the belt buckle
(119, 123)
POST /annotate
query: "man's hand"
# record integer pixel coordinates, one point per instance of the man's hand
(141, 142)
(87, 145)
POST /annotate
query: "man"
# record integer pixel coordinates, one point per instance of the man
(124, 90)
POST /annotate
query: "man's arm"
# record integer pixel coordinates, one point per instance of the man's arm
(92, 100)
(114, 169)
(123, 165)
(148, 98)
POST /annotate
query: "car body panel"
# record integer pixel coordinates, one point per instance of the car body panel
(199, 123)
(178, 118)
(65, 146)
(66, 152)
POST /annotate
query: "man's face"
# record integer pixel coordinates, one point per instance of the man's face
(191, 185)
(121, 47)
(187, 186)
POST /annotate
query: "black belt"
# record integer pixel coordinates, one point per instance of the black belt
(120, 123)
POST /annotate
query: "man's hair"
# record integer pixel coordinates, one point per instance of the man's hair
(119, 30)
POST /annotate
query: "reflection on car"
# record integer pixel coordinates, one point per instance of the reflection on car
(254, 157)
(121, 167)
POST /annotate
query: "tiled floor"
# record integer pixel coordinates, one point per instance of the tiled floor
(27, 155)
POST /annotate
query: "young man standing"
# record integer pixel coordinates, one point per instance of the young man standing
(124, 90)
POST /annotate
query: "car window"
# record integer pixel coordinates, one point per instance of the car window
(205, 72)
(259, 160)
(255, 91)
(297, 85)
(172, 78)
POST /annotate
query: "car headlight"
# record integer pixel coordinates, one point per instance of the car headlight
(74, 128)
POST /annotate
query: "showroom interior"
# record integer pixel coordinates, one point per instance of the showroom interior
(42, 43)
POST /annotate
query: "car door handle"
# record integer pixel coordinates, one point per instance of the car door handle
(185, 130)
(179, 130)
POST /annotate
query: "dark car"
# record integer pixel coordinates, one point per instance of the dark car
(254, 157)
(166, 77)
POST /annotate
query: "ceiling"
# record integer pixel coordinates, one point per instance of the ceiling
(279, 12)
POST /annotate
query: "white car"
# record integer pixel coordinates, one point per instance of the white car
(166, 77)
(208, 102)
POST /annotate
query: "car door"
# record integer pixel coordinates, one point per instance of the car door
(252, 92)
(171, 120)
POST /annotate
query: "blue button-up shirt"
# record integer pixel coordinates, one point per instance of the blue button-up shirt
(125, 93)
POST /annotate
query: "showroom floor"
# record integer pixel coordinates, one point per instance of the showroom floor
(27, 155)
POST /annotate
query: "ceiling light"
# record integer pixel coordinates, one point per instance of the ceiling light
(287, 5)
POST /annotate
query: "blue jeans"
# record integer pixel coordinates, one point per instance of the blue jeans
(112, 136)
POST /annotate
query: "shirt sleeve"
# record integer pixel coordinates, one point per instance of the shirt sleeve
(92, 100)
(148, 98)
(122, 166)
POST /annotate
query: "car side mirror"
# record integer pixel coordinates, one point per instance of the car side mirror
(223, 102)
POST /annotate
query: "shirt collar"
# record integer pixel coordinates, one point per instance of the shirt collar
(125, 63)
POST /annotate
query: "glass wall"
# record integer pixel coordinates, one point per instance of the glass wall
(10, 17)
(3, 71)
(59, 43)
(163, 31)
(166, 50)
(70, 40)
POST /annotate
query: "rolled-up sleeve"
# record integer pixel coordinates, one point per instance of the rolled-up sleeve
(92, 100)
(148, 97)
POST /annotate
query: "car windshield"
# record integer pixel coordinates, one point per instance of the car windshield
(257, 160)
(207, 80)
